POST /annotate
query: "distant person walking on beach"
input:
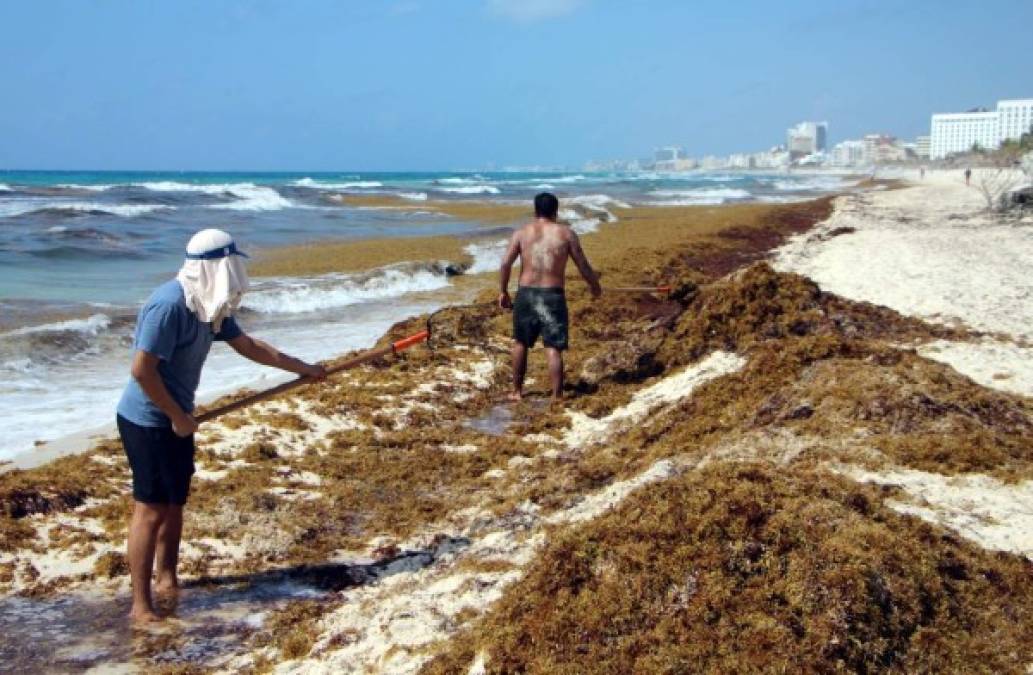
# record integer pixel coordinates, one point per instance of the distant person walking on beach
(921, 172)
(968, 176)
(540, 308)
(174, 331)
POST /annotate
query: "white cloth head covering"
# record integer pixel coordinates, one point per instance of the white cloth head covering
(213, 276)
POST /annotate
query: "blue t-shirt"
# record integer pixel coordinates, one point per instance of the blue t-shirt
(166, 328)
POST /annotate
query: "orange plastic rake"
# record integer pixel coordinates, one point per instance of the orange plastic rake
(353, 362)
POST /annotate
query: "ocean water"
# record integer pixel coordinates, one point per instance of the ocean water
(80, 251)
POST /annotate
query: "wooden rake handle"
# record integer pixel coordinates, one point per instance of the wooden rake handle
(640, 289)
(353, 362)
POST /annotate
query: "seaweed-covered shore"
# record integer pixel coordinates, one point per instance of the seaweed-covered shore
(751, 474)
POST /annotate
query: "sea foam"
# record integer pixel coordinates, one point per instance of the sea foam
(698, 196)
(250, 197)
(808, 183)
(471, 190)
(487, 255)
(91, 188)
(91, 326)
(459, 181)
(30, 205)
(598, 201)
(319, 185)
(296, 296)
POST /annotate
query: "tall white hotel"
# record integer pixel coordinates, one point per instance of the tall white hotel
(958, 132)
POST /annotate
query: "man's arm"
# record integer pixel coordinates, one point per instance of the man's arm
(264, 353)
(583, 266)
(507, 267)
(145, 372)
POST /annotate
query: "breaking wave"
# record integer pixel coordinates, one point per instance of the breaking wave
(487, 256)
(66, 209)
(579, 223)
(91, 188)
(459, 181)
(698, 196)
(250, 197)
(90, 326)
(810, 184)
(726, 193)
(32, 350)
(782, 199)
(318, 185)
(297, 296)
(471, 190)
(599, 202)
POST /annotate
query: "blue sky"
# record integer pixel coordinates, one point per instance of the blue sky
(453, 84)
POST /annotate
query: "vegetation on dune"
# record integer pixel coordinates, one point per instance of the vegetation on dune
(822, 373)
(745, 568)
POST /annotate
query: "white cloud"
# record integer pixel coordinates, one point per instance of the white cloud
(533, 10)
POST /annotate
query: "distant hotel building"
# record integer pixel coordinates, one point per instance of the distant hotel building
(848, 153)
(922, 147)
(882, 148)
(740, 161)
(1014, 118)
(874, 149)
(957, 132)
(807, 138)
(775, 158)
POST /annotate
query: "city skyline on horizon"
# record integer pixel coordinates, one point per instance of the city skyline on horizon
(372, 86)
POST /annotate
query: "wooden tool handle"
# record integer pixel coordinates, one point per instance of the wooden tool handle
(641, 289)
(353, 362)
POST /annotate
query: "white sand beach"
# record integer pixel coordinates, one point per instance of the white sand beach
(931, 250)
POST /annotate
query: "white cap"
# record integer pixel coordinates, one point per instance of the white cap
(212, 244)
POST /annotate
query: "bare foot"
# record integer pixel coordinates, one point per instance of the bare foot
(166, 588)
(556, 402)
(143, 616)
(516, 396)
(167, 602)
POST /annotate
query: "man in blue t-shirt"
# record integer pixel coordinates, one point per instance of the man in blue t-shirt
(174, 331)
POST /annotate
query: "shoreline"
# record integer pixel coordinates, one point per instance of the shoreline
(83, 441)
(370, 255)
(427, 522)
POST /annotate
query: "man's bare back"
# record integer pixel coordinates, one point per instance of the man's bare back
(543, 247)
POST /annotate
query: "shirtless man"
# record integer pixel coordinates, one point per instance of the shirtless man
(543, 247)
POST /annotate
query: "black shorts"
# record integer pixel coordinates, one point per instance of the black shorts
(162, 462)
(540, 311)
